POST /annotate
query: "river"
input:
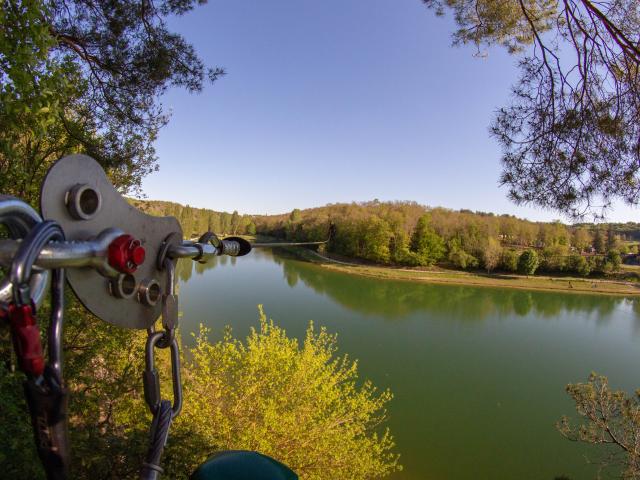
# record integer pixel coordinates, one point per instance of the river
(478, 374)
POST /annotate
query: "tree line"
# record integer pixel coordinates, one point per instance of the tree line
(196, 221)
(406, 233)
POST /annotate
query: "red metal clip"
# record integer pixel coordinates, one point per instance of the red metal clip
(26, 339)
(126, 254)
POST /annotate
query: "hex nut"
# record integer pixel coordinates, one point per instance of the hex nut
(149, 292)
(83, 202)
(123, 286)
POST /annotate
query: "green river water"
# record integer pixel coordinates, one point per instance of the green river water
(478, 374)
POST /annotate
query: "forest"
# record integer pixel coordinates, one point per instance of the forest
(409, 234)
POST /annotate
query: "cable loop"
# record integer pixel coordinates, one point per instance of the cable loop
(206, 237)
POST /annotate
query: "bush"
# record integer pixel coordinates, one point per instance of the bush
(528, 262)
(461, 259)
(300, 404)
(608, 263)
(578, 264)
(509, 260)
(554, 258)
(614, 258)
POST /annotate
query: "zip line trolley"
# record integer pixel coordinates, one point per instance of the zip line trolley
(120, 263)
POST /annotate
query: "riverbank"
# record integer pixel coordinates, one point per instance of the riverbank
(455, 277)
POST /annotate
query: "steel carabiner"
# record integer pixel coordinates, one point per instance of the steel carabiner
(152, 379)
(163, 411)
(44, 390)
(20, 218)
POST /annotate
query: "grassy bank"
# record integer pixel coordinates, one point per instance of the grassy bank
(456, 277)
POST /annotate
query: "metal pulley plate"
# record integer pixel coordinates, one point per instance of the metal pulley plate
(78, 195)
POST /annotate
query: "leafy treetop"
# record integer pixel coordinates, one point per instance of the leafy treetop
(571, 135)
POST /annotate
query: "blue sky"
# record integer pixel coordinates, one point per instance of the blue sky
(334, 101)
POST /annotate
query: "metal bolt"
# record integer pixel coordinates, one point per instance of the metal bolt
(126, 254)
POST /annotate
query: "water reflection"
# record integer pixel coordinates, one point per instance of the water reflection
(488, 397)
(186, 267)
(394, 299)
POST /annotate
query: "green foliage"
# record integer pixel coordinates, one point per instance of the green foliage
(553, 234)
(235, 222)
(301, 404)
(509, 260)
(613, 258)
(196, 221)
(108, 418)
(375, 240)
(610, 419)
(426, 244)
(554, 258)
(579, 265)
(491, 255)
(602, 265)
(391, 232)
(79, 76)
(399, 248)
(18, 455)
(582, 239)
(606, 264)
(35, 90)
(468, 236)
(528, 262)
(459, 258)
(484, 21)
(295, 216)
(570, 132)
(225, 222)
(613, 240)
(599, 242)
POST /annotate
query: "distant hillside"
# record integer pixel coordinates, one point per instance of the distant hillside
(628, 230)
(195, 221)
(407, 233)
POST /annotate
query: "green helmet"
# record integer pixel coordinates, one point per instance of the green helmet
(242, 465)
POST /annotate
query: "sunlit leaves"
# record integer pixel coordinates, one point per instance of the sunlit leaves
(84, 76)
(607, 417)
(571, 134)
(298, 402)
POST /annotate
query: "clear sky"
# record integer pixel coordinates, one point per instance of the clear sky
(335, 101)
